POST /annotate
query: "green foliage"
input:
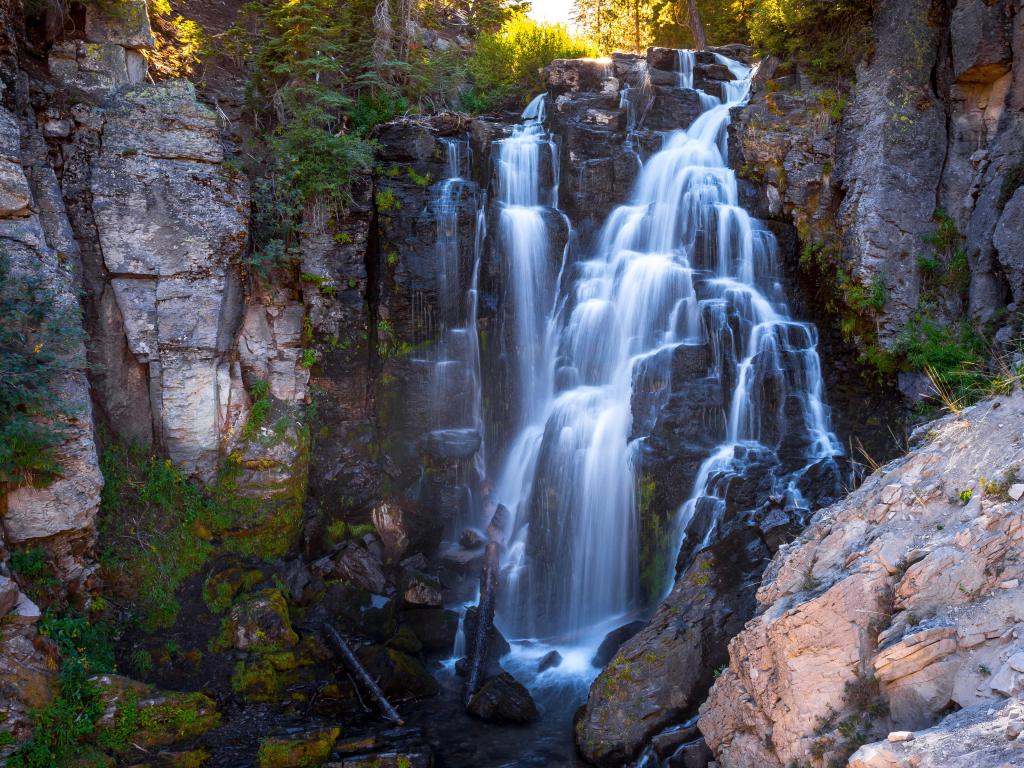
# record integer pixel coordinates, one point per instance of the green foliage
(39, 339)
(509, 63)
(832, 103)
(966, 495)
(828, 36)
(386, 201)
(60, 729)
(259, 411)
(29, 563)
(158, 525)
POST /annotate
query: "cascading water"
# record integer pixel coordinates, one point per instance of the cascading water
(681, 265)
(457, 426)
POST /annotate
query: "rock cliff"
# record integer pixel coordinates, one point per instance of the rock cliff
(931, 128)
(897, 605)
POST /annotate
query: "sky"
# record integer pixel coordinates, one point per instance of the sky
(552, 10)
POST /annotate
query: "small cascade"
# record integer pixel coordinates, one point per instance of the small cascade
(457, 427)
(678, 272)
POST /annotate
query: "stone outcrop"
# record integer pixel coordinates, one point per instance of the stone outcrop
(897, 604)
(985, 734)
(36, 236)
(933, 123)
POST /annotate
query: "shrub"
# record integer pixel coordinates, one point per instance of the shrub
(510, 62)
(828, 36)
(39, 342)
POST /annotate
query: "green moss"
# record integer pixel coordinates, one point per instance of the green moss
(259, 411)
(387, 201)
(147, 718)
(219, 589)
(420, 180)
(304, 751)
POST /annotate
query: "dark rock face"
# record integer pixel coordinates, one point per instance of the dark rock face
(613, 641)
(661, 674)
(503, 699)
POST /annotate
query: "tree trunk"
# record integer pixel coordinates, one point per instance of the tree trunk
(358, 671)
(480, 644)
(700, 40)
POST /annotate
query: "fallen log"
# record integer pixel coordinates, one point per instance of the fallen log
(359, 673)
(480, 644)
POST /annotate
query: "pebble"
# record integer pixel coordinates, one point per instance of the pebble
(1010, 584)
(897, 736)
(1015, 491)
(1014, 729)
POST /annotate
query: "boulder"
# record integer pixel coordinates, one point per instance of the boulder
(259, 621)
(360, 568)
(306, 748)
(503, 699)
(166, 717)
(434, 627)
(613, 641)
(399, 675)
(549, 660)
(420, 590)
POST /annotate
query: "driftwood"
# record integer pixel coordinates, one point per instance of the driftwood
(480, 644)
(359, 673)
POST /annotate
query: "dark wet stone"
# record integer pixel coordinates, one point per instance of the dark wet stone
(669, 740)
(692, 755)
(434, 627)
(398, 674)
(471, 539)
(613, 641)
(453, 443)
(549, 660)
(503, 699)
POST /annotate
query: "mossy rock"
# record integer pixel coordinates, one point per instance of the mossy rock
(267, 677)
(220, 589)
(139, 714)
(193, 758)
(405, 640)
(399, 675)
(304, 750)
(258, 621)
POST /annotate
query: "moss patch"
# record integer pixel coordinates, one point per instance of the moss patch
(304, 751)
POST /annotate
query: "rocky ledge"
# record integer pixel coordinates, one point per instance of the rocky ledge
(897, 606)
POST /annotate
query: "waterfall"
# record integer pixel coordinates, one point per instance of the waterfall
(680, 267)
(457, 426)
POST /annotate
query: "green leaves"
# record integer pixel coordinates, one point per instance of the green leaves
(512, 60)
(39, 341)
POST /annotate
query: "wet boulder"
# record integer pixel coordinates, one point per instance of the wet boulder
(660, 674)
(499, 646)
(399, 675)
(503, 699)
(420, 590)
(471, 539)
(435, 628)
(549, 660)
(613, 641)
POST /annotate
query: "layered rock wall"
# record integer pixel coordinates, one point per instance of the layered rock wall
(897, 605)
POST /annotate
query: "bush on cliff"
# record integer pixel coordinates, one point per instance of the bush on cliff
(38, 339)
(510, 62)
